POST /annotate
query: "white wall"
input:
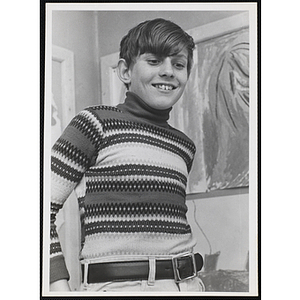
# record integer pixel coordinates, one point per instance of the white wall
(76, 31)
(225, 221)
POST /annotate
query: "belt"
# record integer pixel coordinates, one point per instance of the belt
(179, 268)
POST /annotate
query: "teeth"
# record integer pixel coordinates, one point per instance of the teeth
(164, 87)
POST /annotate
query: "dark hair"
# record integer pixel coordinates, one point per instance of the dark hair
(158, 36)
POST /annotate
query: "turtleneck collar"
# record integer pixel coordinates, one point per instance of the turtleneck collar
(135, 106)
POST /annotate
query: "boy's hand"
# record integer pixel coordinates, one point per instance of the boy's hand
(60, 285)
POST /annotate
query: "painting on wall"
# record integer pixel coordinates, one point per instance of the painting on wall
(214, 113)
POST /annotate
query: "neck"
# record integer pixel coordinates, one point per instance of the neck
(135, 106)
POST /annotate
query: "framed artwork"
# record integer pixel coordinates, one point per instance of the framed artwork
(216, 102)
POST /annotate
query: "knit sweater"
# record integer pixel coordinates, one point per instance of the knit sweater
(129, 169)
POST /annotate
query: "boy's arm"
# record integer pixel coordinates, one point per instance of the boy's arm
(72, 155)
(60, 285)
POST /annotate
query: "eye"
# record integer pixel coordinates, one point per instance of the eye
(153, 62)
(179, 65)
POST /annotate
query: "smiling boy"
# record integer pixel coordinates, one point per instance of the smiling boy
(159, 81)
(129, 169)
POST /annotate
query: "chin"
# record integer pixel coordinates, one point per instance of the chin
(166, 103)
(162, 107)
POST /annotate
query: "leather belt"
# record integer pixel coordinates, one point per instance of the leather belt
(179, 268)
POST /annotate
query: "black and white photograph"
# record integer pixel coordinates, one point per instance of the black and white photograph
(150, 150)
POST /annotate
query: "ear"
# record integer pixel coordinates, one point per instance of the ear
(124, 72)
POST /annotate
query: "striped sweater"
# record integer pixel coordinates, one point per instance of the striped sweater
(129, 169)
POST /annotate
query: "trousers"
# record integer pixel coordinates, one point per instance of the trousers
(168, 285)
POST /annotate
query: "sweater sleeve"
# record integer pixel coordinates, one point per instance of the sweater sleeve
(71, 156)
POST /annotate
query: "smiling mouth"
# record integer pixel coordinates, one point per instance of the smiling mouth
(165, 87)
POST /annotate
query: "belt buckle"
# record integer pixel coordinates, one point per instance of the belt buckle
(177, 276)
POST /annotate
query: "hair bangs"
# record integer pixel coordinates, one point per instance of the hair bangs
(162, 44)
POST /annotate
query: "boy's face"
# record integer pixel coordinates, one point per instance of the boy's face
(159, 81)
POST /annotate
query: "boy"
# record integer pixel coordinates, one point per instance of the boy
(129, 168)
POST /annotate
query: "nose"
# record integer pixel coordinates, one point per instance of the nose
(166, 69)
